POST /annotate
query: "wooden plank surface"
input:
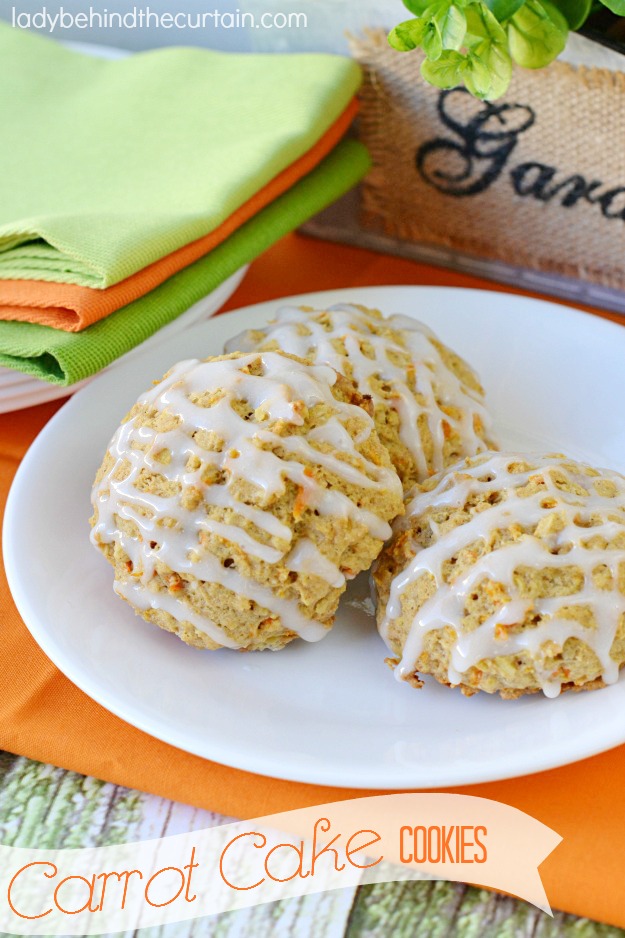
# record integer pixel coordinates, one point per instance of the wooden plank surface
(41, 806)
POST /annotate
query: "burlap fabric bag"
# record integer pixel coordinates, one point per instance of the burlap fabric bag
(535, 179)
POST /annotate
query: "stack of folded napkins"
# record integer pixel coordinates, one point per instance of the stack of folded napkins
(130, 189)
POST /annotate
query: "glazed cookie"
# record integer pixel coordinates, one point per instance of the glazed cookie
(507, 575)
(428, 403)
(239, 495)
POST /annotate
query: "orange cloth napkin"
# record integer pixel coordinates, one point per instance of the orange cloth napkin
(44, 716)
(73, 307)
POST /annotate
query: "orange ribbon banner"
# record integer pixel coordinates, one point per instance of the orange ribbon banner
(383, 838)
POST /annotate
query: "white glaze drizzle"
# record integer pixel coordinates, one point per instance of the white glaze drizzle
(277, 394)
(447, 606)
(140, 597)
(300, 332)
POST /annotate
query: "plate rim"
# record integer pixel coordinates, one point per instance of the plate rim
(314, 774)
(40, 391)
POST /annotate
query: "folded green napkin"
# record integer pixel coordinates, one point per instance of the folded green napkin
(66, 357)
(106, 166)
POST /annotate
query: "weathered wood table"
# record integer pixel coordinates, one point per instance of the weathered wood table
(42, 806)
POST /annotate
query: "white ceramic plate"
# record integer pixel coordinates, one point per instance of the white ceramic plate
(18, 390)
(328, 713)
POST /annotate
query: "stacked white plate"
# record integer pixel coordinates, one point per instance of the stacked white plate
(18, 390)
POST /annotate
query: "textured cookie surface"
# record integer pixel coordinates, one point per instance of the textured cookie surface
(428, 403)
(238, 496)
(507, 574)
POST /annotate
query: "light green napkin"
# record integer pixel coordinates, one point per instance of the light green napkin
(66, 357)
(106, 166)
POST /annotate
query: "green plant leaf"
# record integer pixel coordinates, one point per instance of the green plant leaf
(408, 35)
(488, 67)
(575, 12)
(496, 58)
(503, 9)
(446, 71)
(500, 64)
(432, 43)
(555, 15)
(617, 6)
(477, 76)
(452, 24)
(534, 38)
(416, 6)
(482, 25)
(474, 41)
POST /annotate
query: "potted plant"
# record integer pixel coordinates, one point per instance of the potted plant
(513, 173)
(475, 42)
